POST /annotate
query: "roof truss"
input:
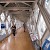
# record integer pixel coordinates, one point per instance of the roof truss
(14, 1)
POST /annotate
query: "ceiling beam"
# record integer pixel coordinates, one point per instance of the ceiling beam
(21, 15)
(1, 7)
(26, 4)
(17, 8)
(14, 1)
(6, 4)
(20, 12)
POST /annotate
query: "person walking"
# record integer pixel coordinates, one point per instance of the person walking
(24, 26)
(13, 29)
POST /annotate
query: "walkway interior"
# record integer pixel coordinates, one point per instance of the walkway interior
(21, 41)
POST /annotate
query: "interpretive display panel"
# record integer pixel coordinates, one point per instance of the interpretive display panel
(3, 26)
(46, 44)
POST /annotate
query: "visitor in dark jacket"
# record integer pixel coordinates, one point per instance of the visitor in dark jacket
(13, 29)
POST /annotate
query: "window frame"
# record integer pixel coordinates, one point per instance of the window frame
(40, 24)
(46, 8)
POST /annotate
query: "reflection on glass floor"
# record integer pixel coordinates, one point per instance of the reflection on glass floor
(21, 41)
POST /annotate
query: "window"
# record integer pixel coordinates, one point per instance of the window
(6, 25)
(9, 30)
(2, 16)
(49, 38)
(0, 25)
(3, 32)
(40, 1)
(9, 19)
(47, 5)
(41, 26)
(18, 24)
(36, 12)
(15, 21)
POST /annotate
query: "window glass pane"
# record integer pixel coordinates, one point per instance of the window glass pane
(0, 25)
(49, 37)
(15, 21)
(36, 12)
(18, 24)
(41, 26)
(6, 24)
(47, 5)
(40, 1)
(2, 16)
(9, 19)
(3, 31)
(9, 30)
